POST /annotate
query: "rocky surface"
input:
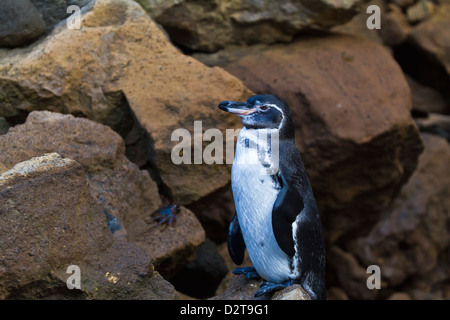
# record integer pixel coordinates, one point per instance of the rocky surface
(243, 289)
(51, 221)
(84, 72)
(118, 87)
(342, 116)
(21, 23)
(411, 237)
(211, 25)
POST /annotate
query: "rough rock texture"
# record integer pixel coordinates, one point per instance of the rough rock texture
(426, 56)
(120, 50)
(211, 25)
(395, 27)
(243, 289)
(21, 22)
(433, 36)
(51, 221)
(411, 243)
(54, 11)
(352, 117)
(171, 247)
(427, 100)
(4, 126)
(127, 195)
(119, 186)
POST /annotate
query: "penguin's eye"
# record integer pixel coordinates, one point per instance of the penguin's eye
(263, 108)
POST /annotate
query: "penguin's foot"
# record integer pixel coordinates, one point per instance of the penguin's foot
(166, 214)
(270, 287)
(249, 272)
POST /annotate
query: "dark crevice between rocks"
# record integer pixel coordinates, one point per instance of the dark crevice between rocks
(422, 67)
(19, 118)
(201, 277)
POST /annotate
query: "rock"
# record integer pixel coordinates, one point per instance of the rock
(399, 296)
(21, 23)
(335, 293)
(164, 89)
(171, 247)
(431, 40)
(427, 100)
(124, 191)
(4, 126)
(294, 292)
(209, 26)
(123, 272)
(201, 277)
(243, 289)
(403, 3)
(421, 10)
(435, 123)
(408, 241)
(350, 275)
(358, 24)
(395, 27)
(48, 219)
(351, 106)
(54, 11)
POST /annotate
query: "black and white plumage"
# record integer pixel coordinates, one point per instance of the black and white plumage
(276, 217)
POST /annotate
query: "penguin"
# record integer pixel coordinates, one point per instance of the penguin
(276, 216)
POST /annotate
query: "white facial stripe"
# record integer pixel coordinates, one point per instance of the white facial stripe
(273, 106)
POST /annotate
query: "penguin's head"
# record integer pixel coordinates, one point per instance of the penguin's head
(264, 111)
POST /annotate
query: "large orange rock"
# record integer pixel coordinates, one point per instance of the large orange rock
(118, 60)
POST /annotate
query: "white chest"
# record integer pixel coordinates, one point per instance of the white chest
(254, 194)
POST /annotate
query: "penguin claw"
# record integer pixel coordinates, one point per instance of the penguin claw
(270, 287)
(249, 272)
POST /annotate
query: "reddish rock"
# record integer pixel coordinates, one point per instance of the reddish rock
(119, 186)
(408, 241)
(120, 65)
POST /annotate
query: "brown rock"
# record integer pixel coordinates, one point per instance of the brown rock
(427, 100)
(119, 186)
(243, 289)
(433, 37)
(209, 26)
(123, 271)
(112, 63)
(171, 247)
(421, 10)
(395, 27)
(335, 293)
(48, 219)
(351, 106)
(399, 296)
(351, 276)
(409, 240)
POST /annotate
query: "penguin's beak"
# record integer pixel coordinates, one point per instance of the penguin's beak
(238, 108)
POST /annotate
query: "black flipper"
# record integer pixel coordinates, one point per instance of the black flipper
(286, 208)
(236, 244)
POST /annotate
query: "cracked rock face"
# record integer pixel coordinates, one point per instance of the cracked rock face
(120, 65)
(211, 25)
